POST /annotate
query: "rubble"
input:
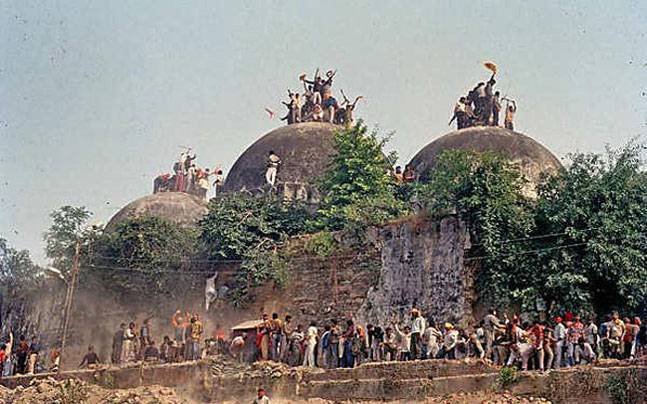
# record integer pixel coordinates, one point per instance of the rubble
(225, 366)
(72, 391)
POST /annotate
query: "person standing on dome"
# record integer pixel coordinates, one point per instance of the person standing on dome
(330, 105)
(496, 108)
(462, 114)
(397, 175)
(218, 180)
(510, 111)
(409, 174)
(273, 163)
(479, 99)
(488, 101)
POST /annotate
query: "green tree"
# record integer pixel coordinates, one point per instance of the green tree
(238, 224)
(145, 257)
(598, 207)
(357, 188)
(68, 227)
(17, 270)
(486, 191)
(252, 229)
(19, 278)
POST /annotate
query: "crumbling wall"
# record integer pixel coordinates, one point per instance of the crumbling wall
(422, 266)
(417, 261)
(321, 288)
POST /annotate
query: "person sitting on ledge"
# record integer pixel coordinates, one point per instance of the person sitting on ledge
(91, 359)
(151, 353)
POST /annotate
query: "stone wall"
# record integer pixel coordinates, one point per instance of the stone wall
(421, 265)
(409, 381)
(321, 287)
(417, 261)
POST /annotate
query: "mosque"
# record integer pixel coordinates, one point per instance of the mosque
(434, 273)
(306, 150)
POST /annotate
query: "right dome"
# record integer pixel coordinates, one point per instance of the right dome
(533, 158)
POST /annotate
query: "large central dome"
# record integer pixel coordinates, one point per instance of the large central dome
(305, 150)
(533, 158)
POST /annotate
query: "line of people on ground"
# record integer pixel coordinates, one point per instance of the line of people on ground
(20, 359)
(511, 342)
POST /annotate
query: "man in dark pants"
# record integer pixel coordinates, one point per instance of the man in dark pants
(417, 329)
(117, 341)
(496, 108)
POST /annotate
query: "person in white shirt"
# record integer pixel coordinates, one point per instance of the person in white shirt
(432, 336)
(127, 351)
(449, 343)
(417, 329)
(591, 336)
(405, 342)
(311, 343)
(218, 181)
(560, 336)
(204, 185)
(273, 163)
(261, 397)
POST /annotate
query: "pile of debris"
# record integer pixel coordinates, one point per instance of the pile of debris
(71, 391)
(224, 366)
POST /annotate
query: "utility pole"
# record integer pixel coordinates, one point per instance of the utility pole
(68, 299)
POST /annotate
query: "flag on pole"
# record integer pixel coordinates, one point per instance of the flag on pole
(491, 66)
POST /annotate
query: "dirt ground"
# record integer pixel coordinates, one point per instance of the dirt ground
(480, 398)
(73, 391)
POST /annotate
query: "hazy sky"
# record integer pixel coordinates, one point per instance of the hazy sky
(96, 96)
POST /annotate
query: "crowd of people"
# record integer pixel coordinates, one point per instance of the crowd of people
(564, 342)
(482, 106)
(538, 345)
(129, 345)
(19, 359)
(189, 178)
(317, 103)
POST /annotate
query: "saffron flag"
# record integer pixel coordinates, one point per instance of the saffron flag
(490, 66)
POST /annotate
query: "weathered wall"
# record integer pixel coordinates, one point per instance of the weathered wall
(413, 262)
(321, 288)
(410, 381)
(422, 266)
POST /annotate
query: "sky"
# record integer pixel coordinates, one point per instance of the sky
(97, 97)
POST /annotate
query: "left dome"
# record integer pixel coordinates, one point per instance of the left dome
(176, 207)
(305, 150)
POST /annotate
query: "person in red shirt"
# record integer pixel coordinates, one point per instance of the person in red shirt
(631, 331)
(537, 337)
(3, 357)
(575, 332)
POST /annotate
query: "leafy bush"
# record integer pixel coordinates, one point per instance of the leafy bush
(580, 246)
(486, 190)
(357, 189)
(145, 257)
(252, 229)
(506, 377)
(598, 205)
(321, 244)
